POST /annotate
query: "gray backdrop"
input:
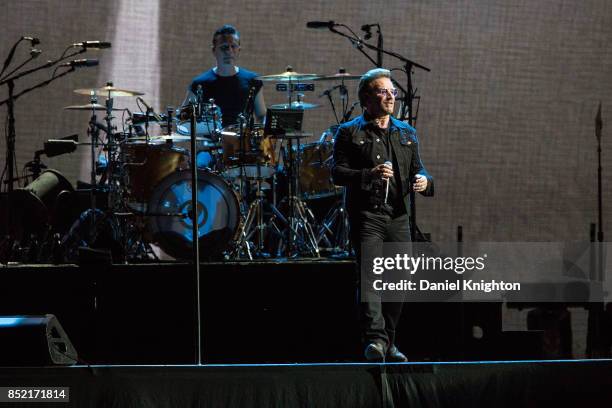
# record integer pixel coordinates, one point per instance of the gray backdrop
(506, 119)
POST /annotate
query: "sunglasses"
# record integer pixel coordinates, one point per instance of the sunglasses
(384, 91)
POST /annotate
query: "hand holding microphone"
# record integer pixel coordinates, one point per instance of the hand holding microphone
(389, 166)
(385, 172)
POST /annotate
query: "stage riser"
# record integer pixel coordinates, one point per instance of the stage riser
(145, 313)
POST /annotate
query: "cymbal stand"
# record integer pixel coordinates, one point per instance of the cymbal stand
(334, 230)
(94, 133)
(300, 234)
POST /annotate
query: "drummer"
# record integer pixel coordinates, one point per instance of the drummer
(227, 83)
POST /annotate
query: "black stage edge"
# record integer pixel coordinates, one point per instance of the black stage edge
(510, 384)
(253, 312)
(299, 311)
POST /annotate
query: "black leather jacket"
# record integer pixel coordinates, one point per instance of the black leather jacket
(358, 148)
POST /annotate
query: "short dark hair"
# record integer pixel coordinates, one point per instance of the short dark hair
(367, 78)
(227, 29)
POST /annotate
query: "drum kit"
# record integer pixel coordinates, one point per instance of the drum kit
(243, 211)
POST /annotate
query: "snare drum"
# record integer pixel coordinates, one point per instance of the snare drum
(315, 171)
(149, 163)
(258, 148)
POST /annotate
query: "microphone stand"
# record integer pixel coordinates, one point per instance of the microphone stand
(195, 227)
(9, 80)
(408, 92)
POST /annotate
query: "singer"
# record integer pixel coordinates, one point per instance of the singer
(227, 83)
(377, 193)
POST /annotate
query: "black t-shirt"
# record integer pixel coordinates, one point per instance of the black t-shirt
(395, 203)
(230, 93)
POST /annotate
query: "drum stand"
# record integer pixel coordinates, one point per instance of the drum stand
(254, 224)
(300, 234)
(336, 239)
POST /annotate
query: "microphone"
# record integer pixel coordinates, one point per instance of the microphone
(32, 40)
(367, 29)
(81, 63)
(93, 44)
(150, 109)
(387, 163)
(35, 52)
(321, 24)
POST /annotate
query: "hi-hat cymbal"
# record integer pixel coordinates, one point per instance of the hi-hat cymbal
(289, 76)
(88, 107)
(108, 92)
(295, 105)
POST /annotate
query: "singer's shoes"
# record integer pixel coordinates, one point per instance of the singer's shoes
(375, 352)
(395, 356)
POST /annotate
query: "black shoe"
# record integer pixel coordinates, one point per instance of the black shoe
(375, 352)
(395, 356)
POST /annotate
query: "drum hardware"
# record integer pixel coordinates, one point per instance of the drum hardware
(111, 228)
(300, 236)
(293, 79)
(334, 230)
(299, 87)
(341, 76)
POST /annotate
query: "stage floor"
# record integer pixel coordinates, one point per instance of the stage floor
(584, 383)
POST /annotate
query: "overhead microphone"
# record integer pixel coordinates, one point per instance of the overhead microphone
(32, 40)
(321, 24)
(35, 52)
(93, 44)
(367, 28)
(81, 63)
(150, 109)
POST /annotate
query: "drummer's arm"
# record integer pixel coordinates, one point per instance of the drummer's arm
(259, 107)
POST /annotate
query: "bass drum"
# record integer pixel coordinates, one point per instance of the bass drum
(218, 215)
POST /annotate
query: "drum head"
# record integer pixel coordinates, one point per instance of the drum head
(218, 214)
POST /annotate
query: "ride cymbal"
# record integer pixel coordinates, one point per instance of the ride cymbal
(340, 76)
(289, 76)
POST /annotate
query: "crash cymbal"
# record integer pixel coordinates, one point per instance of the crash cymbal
(88, 107)
(289, 76)
(105, 90)
(295, 105)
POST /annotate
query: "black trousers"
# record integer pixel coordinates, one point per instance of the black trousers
(378, 319)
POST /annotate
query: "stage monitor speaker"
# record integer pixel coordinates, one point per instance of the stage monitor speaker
(34, 341)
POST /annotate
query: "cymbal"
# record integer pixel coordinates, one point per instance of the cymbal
(174, 137)
(105, 90)
(295, 105)
(289, 76)
(339, 76)
(88, 107)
